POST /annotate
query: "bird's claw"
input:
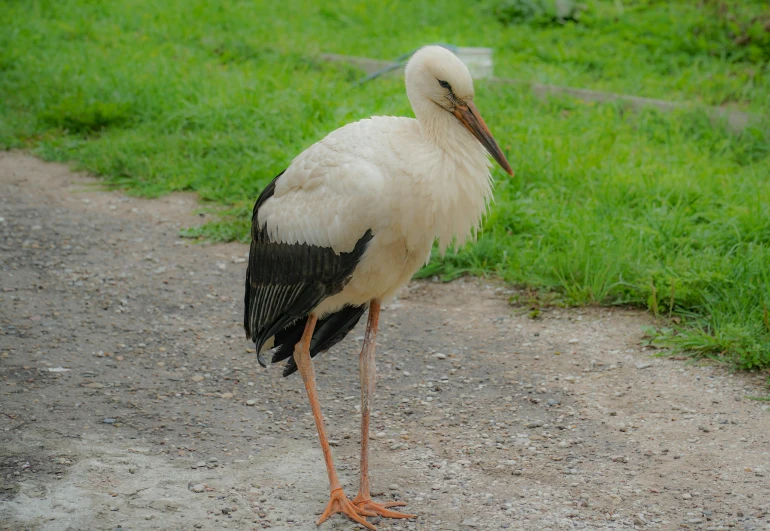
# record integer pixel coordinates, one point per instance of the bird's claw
(381, 509)
(339, 503)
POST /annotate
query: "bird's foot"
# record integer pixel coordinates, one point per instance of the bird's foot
(381, 509)
(339, 503)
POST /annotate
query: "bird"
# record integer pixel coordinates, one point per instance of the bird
(349, 222)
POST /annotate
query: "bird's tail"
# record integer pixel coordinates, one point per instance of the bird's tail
(328, 332)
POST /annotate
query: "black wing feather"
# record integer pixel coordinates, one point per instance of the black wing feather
(285, 282)
(328, 332)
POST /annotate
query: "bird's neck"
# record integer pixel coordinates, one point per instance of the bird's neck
(443, 129)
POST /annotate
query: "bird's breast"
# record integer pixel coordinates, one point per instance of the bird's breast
(445, 201)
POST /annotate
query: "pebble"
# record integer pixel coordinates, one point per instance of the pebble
(226, 395)
(139, 450)
(394, 486)
(439, 356)
(643, 365)
(686, 496)
(251, 402)
(197, 378)
(535, 424)
(620, 458)
(109, 421)
(198, 488)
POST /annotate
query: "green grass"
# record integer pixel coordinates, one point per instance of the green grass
(665, 211)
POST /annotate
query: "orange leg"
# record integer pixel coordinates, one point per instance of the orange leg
(363, 499)
(338, 502)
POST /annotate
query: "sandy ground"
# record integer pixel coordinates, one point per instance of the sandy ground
(127, 386)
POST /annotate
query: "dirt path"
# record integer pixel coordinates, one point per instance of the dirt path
(127, 386)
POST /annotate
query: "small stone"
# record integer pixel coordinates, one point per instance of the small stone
(686, 496)
(440, 356)
(197, 378)
(139, 450)
(704, 429)
(251, 402)
(109, 421)
(226, 395)
(198, 488)
(200, 464)
(573, 341)
(113, 508)
(535, 424)
(553, 402)
(394, 486)
(619, 458)
(643, 365)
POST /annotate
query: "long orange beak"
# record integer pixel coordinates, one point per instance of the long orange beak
(469, 115)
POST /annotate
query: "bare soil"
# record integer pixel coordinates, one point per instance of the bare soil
(127, 385)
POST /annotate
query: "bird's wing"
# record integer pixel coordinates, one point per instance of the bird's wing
(286, 280)
(334, 191)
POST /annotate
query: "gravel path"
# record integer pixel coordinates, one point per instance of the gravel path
(130, 399)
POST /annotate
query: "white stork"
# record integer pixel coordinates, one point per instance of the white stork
(349, 222)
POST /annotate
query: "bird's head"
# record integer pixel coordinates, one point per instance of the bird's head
(437, 81)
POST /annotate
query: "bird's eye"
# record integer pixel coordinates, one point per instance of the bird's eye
(444, 84)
